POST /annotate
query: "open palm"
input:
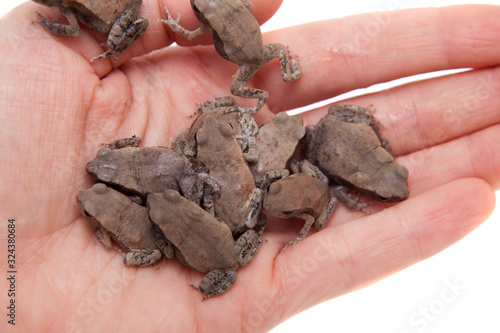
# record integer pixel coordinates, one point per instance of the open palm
(57, 109)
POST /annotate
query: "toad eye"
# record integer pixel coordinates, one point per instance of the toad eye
(288, 212)
(379, 198)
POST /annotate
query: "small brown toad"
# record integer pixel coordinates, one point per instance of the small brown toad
(114, 216)
(347, 147)
(118, 17)
(237, 38)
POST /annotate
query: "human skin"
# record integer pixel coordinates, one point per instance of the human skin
(56, 109)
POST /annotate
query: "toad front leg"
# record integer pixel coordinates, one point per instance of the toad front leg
(134, 257)
(351, 202)
(319, 223)
(124, 32)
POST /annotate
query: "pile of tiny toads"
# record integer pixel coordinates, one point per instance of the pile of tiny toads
(204, 199)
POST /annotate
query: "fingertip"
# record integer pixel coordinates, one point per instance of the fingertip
(263, 10)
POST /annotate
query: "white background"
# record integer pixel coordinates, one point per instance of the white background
(396, 304)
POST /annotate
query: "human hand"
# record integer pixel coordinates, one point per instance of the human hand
(58, 108)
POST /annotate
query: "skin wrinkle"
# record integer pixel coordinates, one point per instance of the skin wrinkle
(446, 43)
(47, 248)
(67, 301)
(449, 153)
(418, 126)
(128, 291)
(194, 299)
(200, 74)
(492, 150)
(347, 263)
(277, 292)
(369, 251)
(147, 133)
(277, 283)
(282, 312)
(476, 36)
(143, 111)
(243, 316)
(411, 233)
(442, 55)
(283, 273)
(104, 91)
(354, 60)
(474, 156)
(439, 221)
(494, 74)
(46, 243)
(207, 71)
(348, 60)
(127, 105)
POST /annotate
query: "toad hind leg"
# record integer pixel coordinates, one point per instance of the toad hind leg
(142, 258)
(290, 70)
(309, 221)
(124, 32)
(247, 245)
(254, 208)
(352, 203)
(134, 141)
(326, 213)
(272, 176)
(239, 88)
(216, 282)
(103, 236)
(71, 29)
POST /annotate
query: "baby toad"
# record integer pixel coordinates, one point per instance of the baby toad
(114, 216)
(143, 170)
(237, 38)
(238, 203)
(303, 196)
(347, 147)
(118, 17)
(202, 241)
(275, 144)
(244, 128)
